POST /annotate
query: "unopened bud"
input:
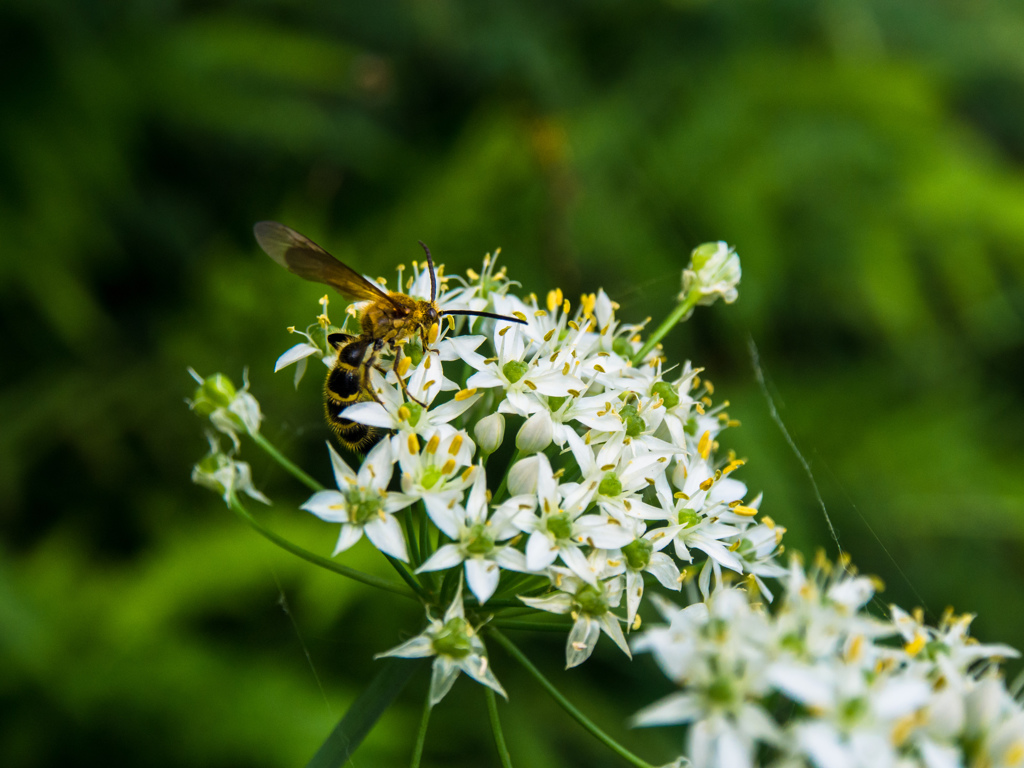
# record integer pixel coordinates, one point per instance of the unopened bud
(535, 435)
(489, 432)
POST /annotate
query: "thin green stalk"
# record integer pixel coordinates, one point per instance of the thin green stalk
(499, 737)
(503, 487)
(532, 626)
(410, 537)
(564, 703)
(280, 458)
(409, 578)
(421, 734)
(323, 562)
(678, 314)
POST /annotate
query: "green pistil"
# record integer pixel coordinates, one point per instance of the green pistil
(688, 518)
(667, 393)
(622, 347)
(361, 508)
(635, 425)
(554, 403)
(514, 370)
(480, 541)
(610, 485)
(591, 600)
(430, 477)
(691, 426)
(722, 691)
(453, 639)
(638, 553)
(560, 525)
(852, 711)
(414, 351)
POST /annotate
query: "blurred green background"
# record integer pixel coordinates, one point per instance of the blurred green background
(865, 158)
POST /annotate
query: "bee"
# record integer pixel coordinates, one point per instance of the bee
(388, 320)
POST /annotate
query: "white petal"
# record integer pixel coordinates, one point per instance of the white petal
(328, 505)
(371, 414)
(386, 535)
(446, 557)
(482, 577)
(350, 534)
(296, 353)
(582, 639)
(540, 552)
(671, 710)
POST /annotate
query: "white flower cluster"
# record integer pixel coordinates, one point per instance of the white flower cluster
(853, 690)
(614, 471)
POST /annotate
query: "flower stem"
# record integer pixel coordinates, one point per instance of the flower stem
(408, 578)
(503, 487)
(532, 626)
(421, 734)
(323, 562)
(564, 703)
(681, 312)
(499, 737)
(281, 459)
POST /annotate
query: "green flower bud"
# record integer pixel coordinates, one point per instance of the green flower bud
(453, 639)
(667, 393)
(591, 600)
(214, 392)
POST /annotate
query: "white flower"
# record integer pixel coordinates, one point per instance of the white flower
(230, 410)
(435, 471)
(221, 473)
(476, 539)
(557, 533)
(590, 606)
(457, 647)
(714, 272)
(362, 503)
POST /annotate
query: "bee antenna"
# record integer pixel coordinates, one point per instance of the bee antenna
(482, 314)
(433, 279)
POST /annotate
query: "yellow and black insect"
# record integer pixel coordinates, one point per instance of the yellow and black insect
(388, 319)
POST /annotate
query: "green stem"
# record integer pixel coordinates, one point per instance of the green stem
(280, 458)
(421, 734)
(409, 578)
(503, 488)
(532, 626)
(564, 703)
(499, 737)
(305, 554)
(410, 537)
(681, 312)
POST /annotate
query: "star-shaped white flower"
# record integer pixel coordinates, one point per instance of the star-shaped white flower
(457, 648)
(362, 503)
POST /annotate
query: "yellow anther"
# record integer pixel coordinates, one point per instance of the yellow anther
(588, 301)
(732, 466)
(680, 495)
(432, 444)
(704, 445)
(291, 329)
(598, 368)
(472, 274)
(467, 473)
(456, 445)
(449, 467)
(554, 299)
(404, 413)
(916, 645)
(432, 333)
(403, 366)
(565, 306)
(707, 484)
(854, 649)
(769, 522)
(572, 323)
(709, 386)
(743, 511)
(698, 408)
(565, 369)
(540, 313)
(549, 334)
(504, 330)
(465, 394)
(574, 392)
(426, 363)
(732, 423)
(707, 401)
(636, 622)
(413, 443)
(530, 384)
(519, 315)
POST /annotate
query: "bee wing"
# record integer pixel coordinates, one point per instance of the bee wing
(301, 256)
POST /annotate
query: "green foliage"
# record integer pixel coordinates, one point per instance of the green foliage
(864, 159)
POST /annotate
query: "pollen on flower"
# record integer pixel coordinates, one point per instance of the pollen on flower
(432, 444)
(704, 446)
(554, 299)
(404, 365)
(464, 394)
(413, 443)
(456, 444)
